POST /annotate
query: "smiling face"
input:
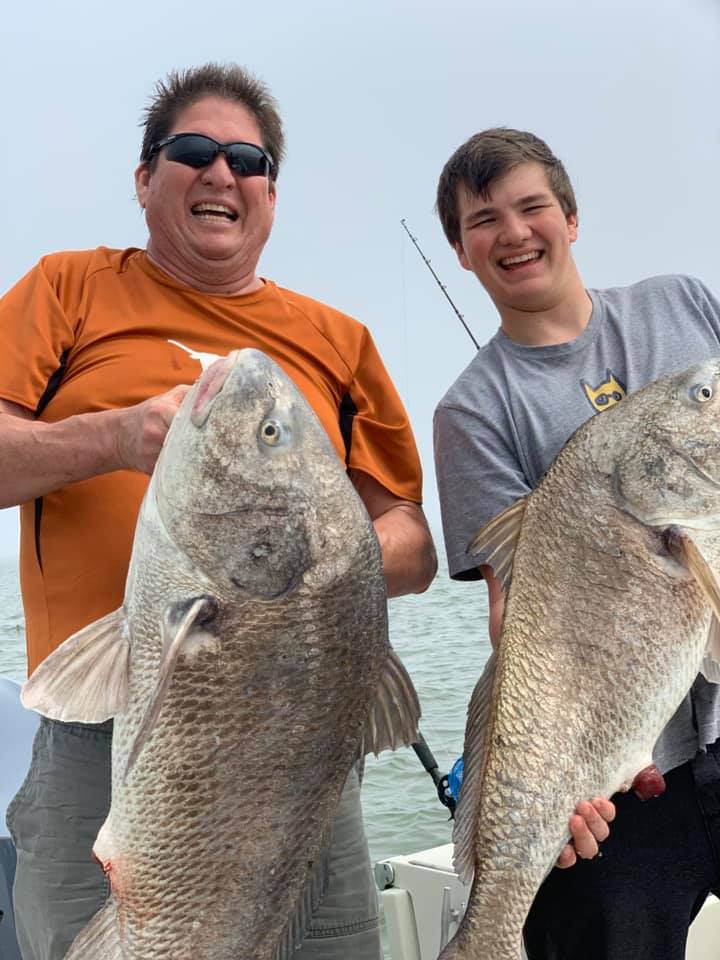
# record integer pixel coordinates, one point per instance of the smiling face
(517, 241)
(208, 227)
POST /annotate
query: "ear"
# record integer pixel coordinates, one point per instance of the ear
(272, 194)
(142, 183)
(460, 252)
(572, 222)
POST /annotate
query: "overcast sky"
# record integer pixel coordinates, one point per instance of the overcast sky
(375, 96)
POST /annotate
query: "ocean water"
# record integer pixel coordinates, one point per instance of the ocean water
(442, 638)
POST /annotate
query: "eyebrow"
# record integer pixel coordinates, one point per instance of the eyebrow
(520, 202)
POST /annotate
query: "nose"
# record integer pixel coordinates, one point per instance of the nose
(514, 230)
(218, 173)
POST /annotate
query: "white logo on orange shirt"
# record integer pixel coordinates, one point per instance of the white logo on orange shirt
(205, 358)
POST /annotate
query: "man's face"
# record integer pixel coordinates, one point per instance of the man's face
(207, 218)
(517, 241)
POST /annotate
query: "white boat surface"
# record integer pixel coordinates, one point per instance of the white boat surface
(423, 902)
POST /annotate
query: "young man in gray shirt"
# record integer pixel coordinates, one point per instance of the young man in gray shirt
(562, 354)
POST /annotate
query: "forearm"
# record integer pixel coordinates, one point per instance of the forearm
(37, 458)
(409, 559)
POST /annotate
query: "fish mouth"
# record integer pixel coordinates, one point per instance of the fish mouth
(210, 386)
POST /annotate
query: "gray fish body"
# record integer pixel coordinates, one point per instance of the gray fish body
(255, 616)
(604, 633)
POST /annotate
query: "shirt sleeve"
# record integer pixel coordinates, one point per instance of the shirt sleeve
(36, 333)
(478, 476)
(376, 429)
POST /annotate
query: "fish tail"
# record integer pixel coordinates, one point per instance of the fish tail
(100, 939)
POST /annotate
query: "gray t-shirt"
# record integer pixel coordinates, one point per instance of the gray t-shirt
(507, 416)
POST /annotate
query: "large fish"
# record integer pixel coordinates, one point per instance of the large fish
(247, 670)
(610, 567)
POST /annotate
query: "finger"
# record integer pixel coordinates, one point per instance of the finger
(179, 391)
(169, 403)
(583, 838)
(567, 857)
(606, 808)
(596, 824)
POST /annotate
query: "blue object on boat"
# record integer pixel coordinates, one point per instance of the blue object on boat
(19, 727)
(455, 778)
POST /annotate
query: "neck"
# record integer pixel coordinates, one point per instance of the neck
(207, 276)
(550, 322)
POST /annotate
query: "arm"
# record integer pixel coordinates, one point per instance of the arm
(589, 824)
(408, 553)
(40, 457)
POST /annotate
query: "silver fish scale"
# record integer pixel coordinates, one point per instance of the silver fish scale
(601, 642)
(223, 810)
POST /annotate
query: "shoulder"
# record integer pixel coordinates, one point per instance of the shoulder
(346, 336)
(661, 287)
(85, 262)
(320, 314)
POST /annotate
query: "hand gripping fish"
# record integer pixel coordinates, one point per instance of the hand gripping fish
(612, 606)
(253, 636)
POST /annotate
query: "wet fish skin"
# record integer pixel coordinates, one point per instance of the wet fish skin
(254, 638)
(605, 630)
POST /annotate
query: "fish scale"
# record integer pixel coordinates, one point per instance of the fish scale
(605, 629)
(253, 651)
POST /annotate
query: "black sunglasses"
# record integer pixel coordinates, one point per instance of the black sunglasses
(197, 150)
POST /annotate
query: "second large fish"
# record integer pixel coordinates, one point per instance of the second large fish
(610, 565)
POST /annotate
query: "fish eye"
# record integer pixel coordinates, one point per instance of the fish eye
(270, 432)
(702, 392)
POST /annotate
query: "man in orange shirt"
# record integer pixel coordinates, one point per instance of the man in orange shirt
(99, 349)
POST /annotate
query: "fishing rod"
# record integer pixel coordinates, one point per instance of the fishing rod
(442, 784)
(439, 282)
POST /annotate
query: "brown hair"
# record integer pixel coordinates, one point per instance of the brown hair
(487, 156)
(182, 88)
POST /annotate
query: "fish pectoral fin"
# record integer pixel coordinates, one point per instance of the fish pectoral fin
(100, 939)
(395, 714)
(497, 541)
(474, 758)
(183, 632)
(312, 896)
(710, 667)
(85, 680)
(684, 549)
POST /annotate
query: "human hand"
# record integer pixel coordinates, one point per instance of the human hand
(141, 429)
(588, 828)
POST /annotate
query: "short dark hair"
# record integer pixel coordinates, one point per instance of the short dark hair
(487, 156)
(181, 88)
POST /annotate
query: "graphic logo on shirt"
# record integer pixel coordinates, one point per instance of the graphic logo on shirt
(605, 394)
(205, 359)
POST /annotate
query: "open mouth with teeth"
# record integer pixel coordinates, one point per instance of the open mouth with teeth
(213, 211)
(521, 260)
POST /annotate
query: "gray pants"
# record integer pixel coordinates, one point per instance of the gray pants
(57, 813)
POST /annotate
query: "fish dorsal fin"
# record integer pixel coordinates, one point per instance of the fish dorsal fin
(86, 679)
(684, 549)
(182, 632)
(395, 714)
(497, 541)
(710, 667)
(294, 933)
(474, 755)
